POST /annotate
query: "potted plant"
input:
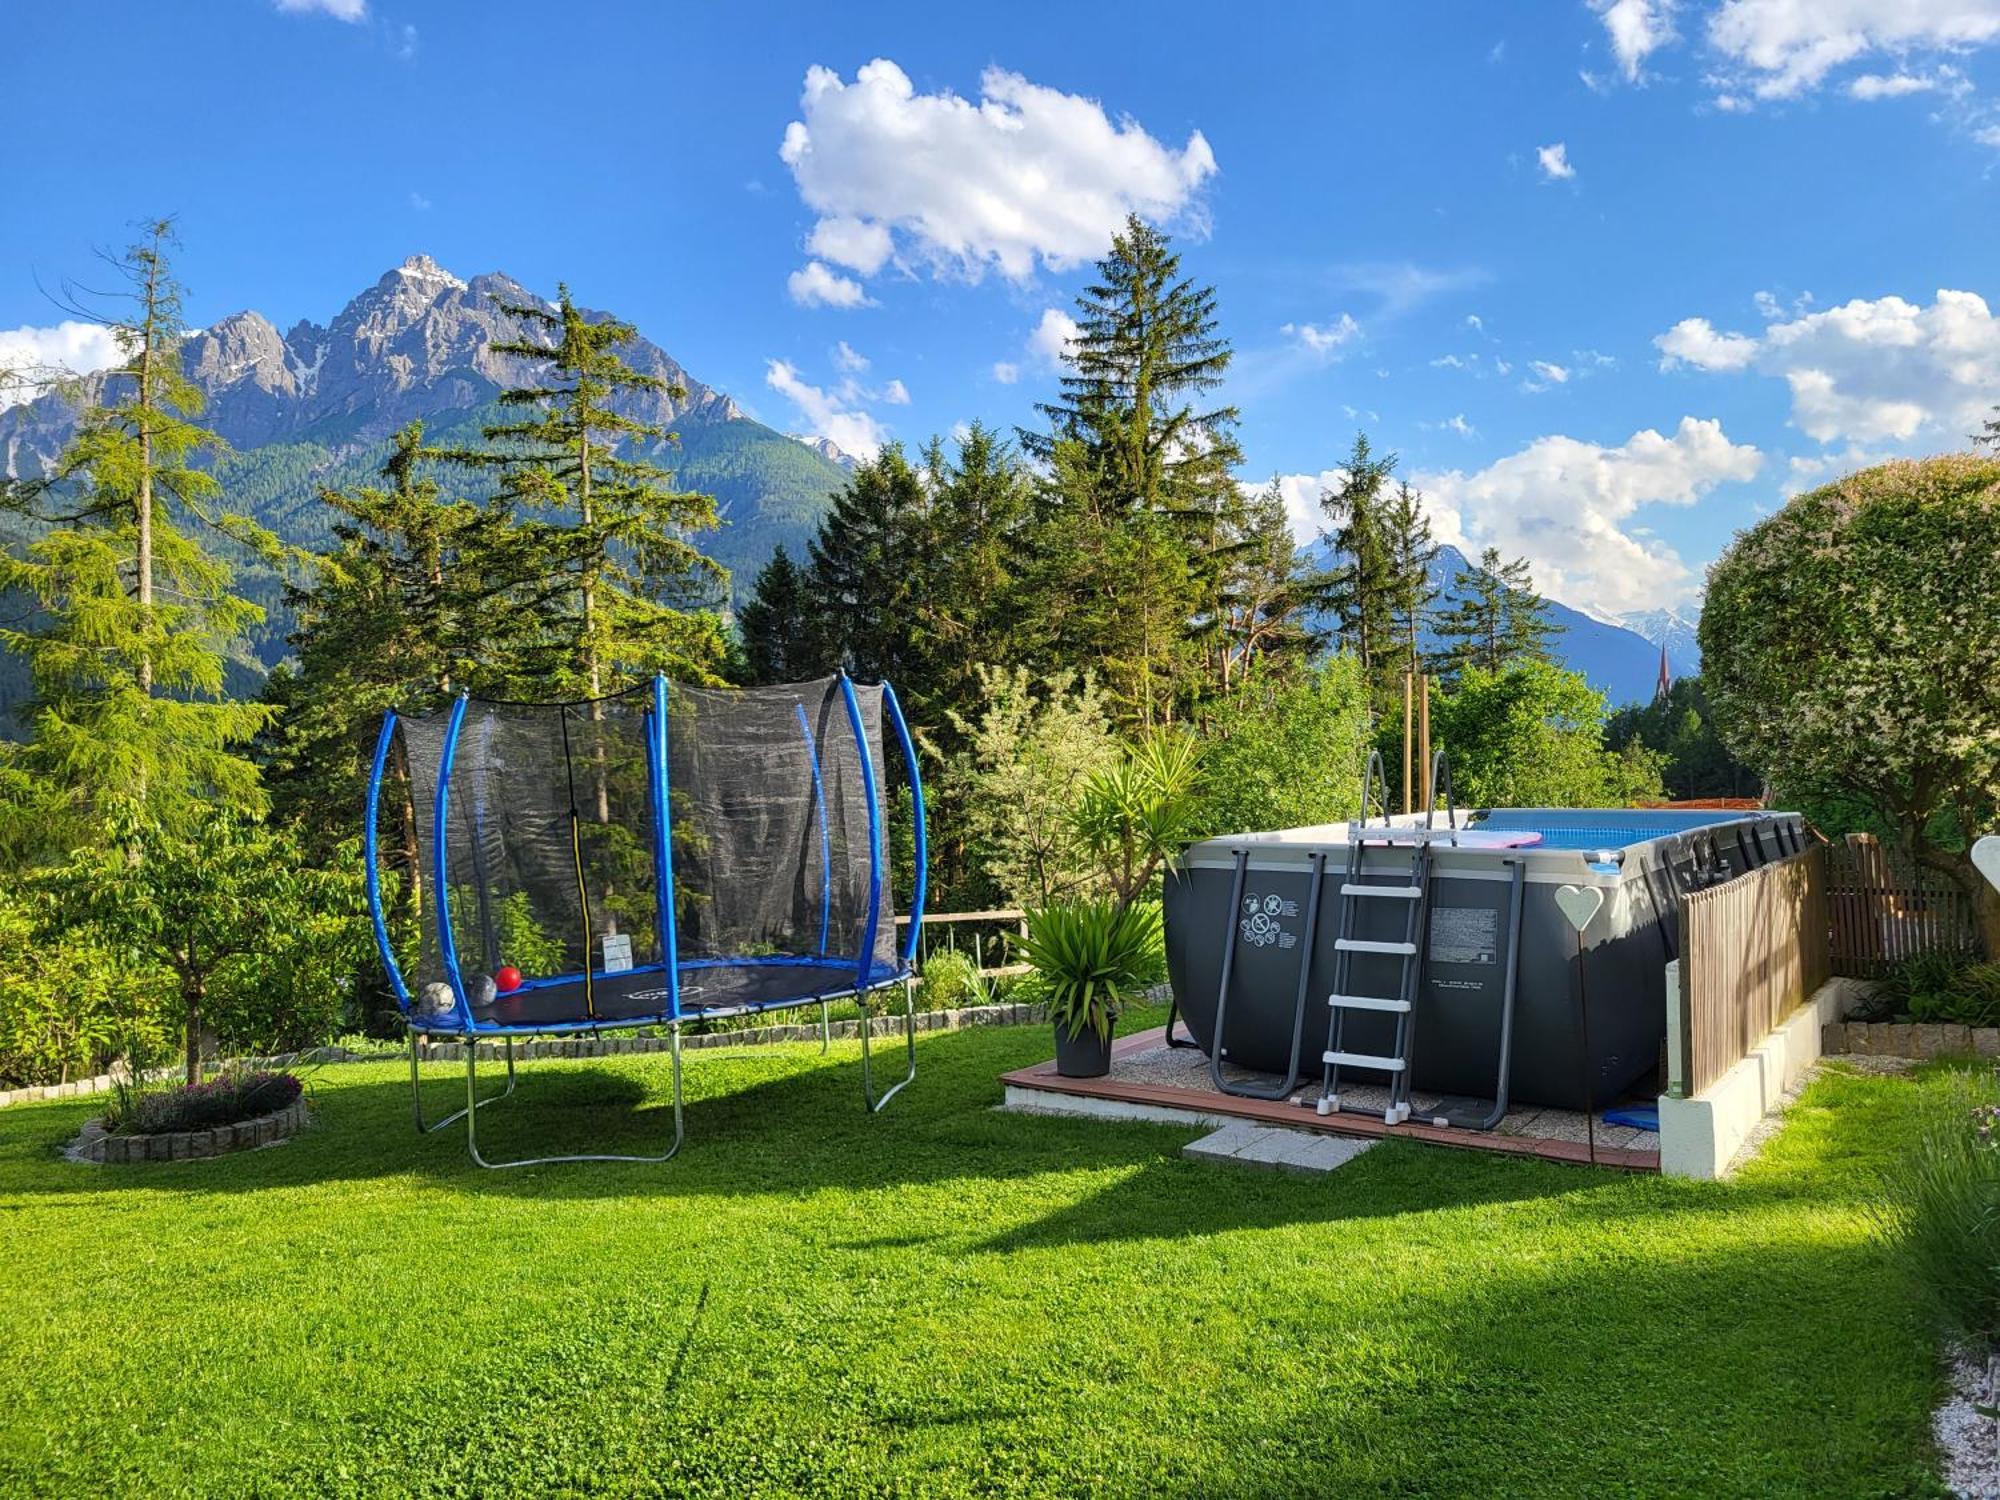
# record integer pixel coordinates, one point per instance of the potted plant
(1133, 817)
(1090, 954)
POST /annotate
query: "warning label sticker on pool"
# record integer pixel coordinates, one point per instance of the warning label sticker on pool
(1261, 924)
(1464, 935)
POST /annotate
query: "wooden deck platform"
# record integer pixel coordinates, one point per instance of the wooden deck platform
(1146, 1098)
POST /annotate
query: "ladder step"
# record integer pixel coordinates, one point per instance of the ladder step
(1368, 1002)
(1369, 945)
(1362, 1060)
(1399, 892)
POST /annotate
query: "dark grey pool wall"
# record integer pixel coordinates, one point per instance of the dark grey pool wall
(1621, 969)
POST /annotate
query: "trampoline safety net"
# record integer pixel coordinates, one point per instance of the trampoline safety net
(563, 830)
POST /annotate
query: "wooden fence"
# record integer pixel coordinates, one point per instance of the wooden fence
(987, 935)
(1885, 908)
(1752, 950)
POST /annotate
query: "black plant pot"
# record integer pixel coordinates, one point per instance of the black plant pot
(1085, 1055)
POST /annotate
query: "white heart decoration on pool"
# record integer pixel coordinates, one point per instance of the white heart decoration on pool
(1580, 903)
(1986, 858)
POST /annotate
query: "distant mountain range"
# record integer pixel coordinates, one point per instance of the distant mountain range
(1620, 658)
(313, 408)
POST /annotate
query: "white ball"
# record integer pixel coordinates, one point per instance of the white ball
(438, 999)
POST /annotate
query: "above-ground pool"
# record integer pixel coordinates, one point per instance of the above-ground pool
(1468, 950)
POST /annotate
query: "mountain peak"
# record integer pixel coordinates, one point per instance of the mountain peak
(421, 268)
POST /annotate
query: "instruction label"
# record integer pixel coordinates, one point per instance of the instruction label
(617, 953)
(1464, 935)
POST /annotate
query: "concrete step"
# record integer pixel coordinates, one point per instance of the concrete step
(1276, 1148)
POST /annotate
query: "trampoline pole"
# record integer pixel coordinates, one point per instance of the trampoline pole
(417, 1099)
(874, 1101)
(825, 1029)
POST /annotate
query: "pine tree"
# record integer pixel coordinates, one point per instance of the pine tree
(864, 574)
(982, 501)
(779, 625)
(136, 621)
(1147, 345)
(577, 455)
(1264, 594)
(1361, 588)
(1411, 551)
(421, 595)
(1498, 619)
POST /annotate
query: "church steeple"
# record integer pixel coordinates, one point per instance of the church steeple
(1666, 679)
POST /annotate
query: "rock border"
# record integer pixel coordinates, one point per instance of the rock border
(1910, 1039)
(95, 1144)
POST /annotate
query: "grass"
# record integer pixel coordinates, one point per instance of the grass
(940, 1299)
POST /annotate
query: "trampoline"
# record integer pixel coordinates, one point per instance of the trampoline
(664, 855)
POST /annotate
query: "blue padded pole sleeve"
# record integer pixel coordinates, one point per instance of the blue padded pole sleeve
(663, 849)
(441, 866)
(917, 815)
(865, 963)
(373, 869)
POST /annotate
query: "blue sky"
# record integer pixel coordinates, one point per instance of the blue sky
(1613, 276)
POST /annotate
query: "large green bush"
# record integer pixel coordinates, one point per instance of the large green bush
(1289, 753)
(1851, 649)
(70, 1005)
(1532, 735)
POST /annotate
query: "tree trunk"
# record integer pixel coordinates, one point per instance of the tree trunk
(192, 991)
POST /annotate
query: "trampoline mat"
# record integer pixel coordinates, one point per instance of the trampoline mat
(642, 994)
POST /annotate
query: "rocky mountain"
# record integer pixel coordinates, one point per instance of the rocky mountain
(1669, 628)
(314, 406)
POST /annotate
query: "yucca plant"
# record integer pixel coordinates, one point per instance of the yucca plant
(1091, 954)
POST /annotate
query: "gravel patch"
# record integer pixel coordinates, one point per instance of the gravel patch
(1969, 1440)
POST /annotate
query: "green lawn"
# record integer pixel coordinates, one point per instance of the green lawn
(939, 1299)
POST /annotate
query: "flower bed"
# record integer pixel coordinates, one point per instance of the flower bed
(97, 1144)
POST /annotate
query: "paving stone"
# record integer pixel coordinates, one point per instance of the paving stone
(1226, 1142)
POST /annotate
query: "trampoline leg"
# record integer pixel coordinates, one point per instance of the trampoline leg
(825, 1029)
(471, 1117)
(876, 1101)
(417, 1099)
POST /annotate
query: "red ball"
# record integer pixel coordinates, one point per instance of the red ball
(509, 978)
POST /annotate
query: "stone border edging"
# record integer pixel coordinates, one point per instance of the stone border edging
(95, 1144)
(593, 1046)
(1918, 1039)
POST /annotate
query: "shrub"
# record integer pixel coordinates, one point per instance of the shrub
(1946, 987)
(69, 1005)
(950, 979)
(1092, 953)
(1942, 1211)
(221, 1100)
(1288, 753)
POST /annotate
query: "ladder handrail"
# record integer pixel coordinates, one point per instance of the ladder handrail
(1441, 778)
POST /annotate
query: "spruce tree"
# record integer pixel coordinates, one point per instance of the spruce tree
(1148, 347)
(640, 590)
(1260, 615)
(1411, 551)
(865, 573)
(779, 625)
(1361, 588)
(135, 620)
(1498, 618)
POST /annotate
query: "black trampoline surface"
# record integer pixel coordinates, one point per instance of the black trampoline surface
(640, 996)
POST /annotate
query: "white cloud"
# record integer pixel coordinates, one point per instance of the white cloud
(1324, 339)
(340, 10)
(847, 360)
(1472, 321)
(1050, 342)
(1454, 361)
(30, 356)
(854, 243)
(1302, 492)
(1694, 341)
(1892, 86)
(896, 393)
(1554, 162)
(1026, 176)
(1988, 135)
(1006, 373)
(828, 414)
(1568, 507)
(1806, 472)
(1546, 375)
(1636, 28)
(1866, 370)
(1459, 425)
(419, 202)
(813, 285)
(1779, 49)
(405, 43)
